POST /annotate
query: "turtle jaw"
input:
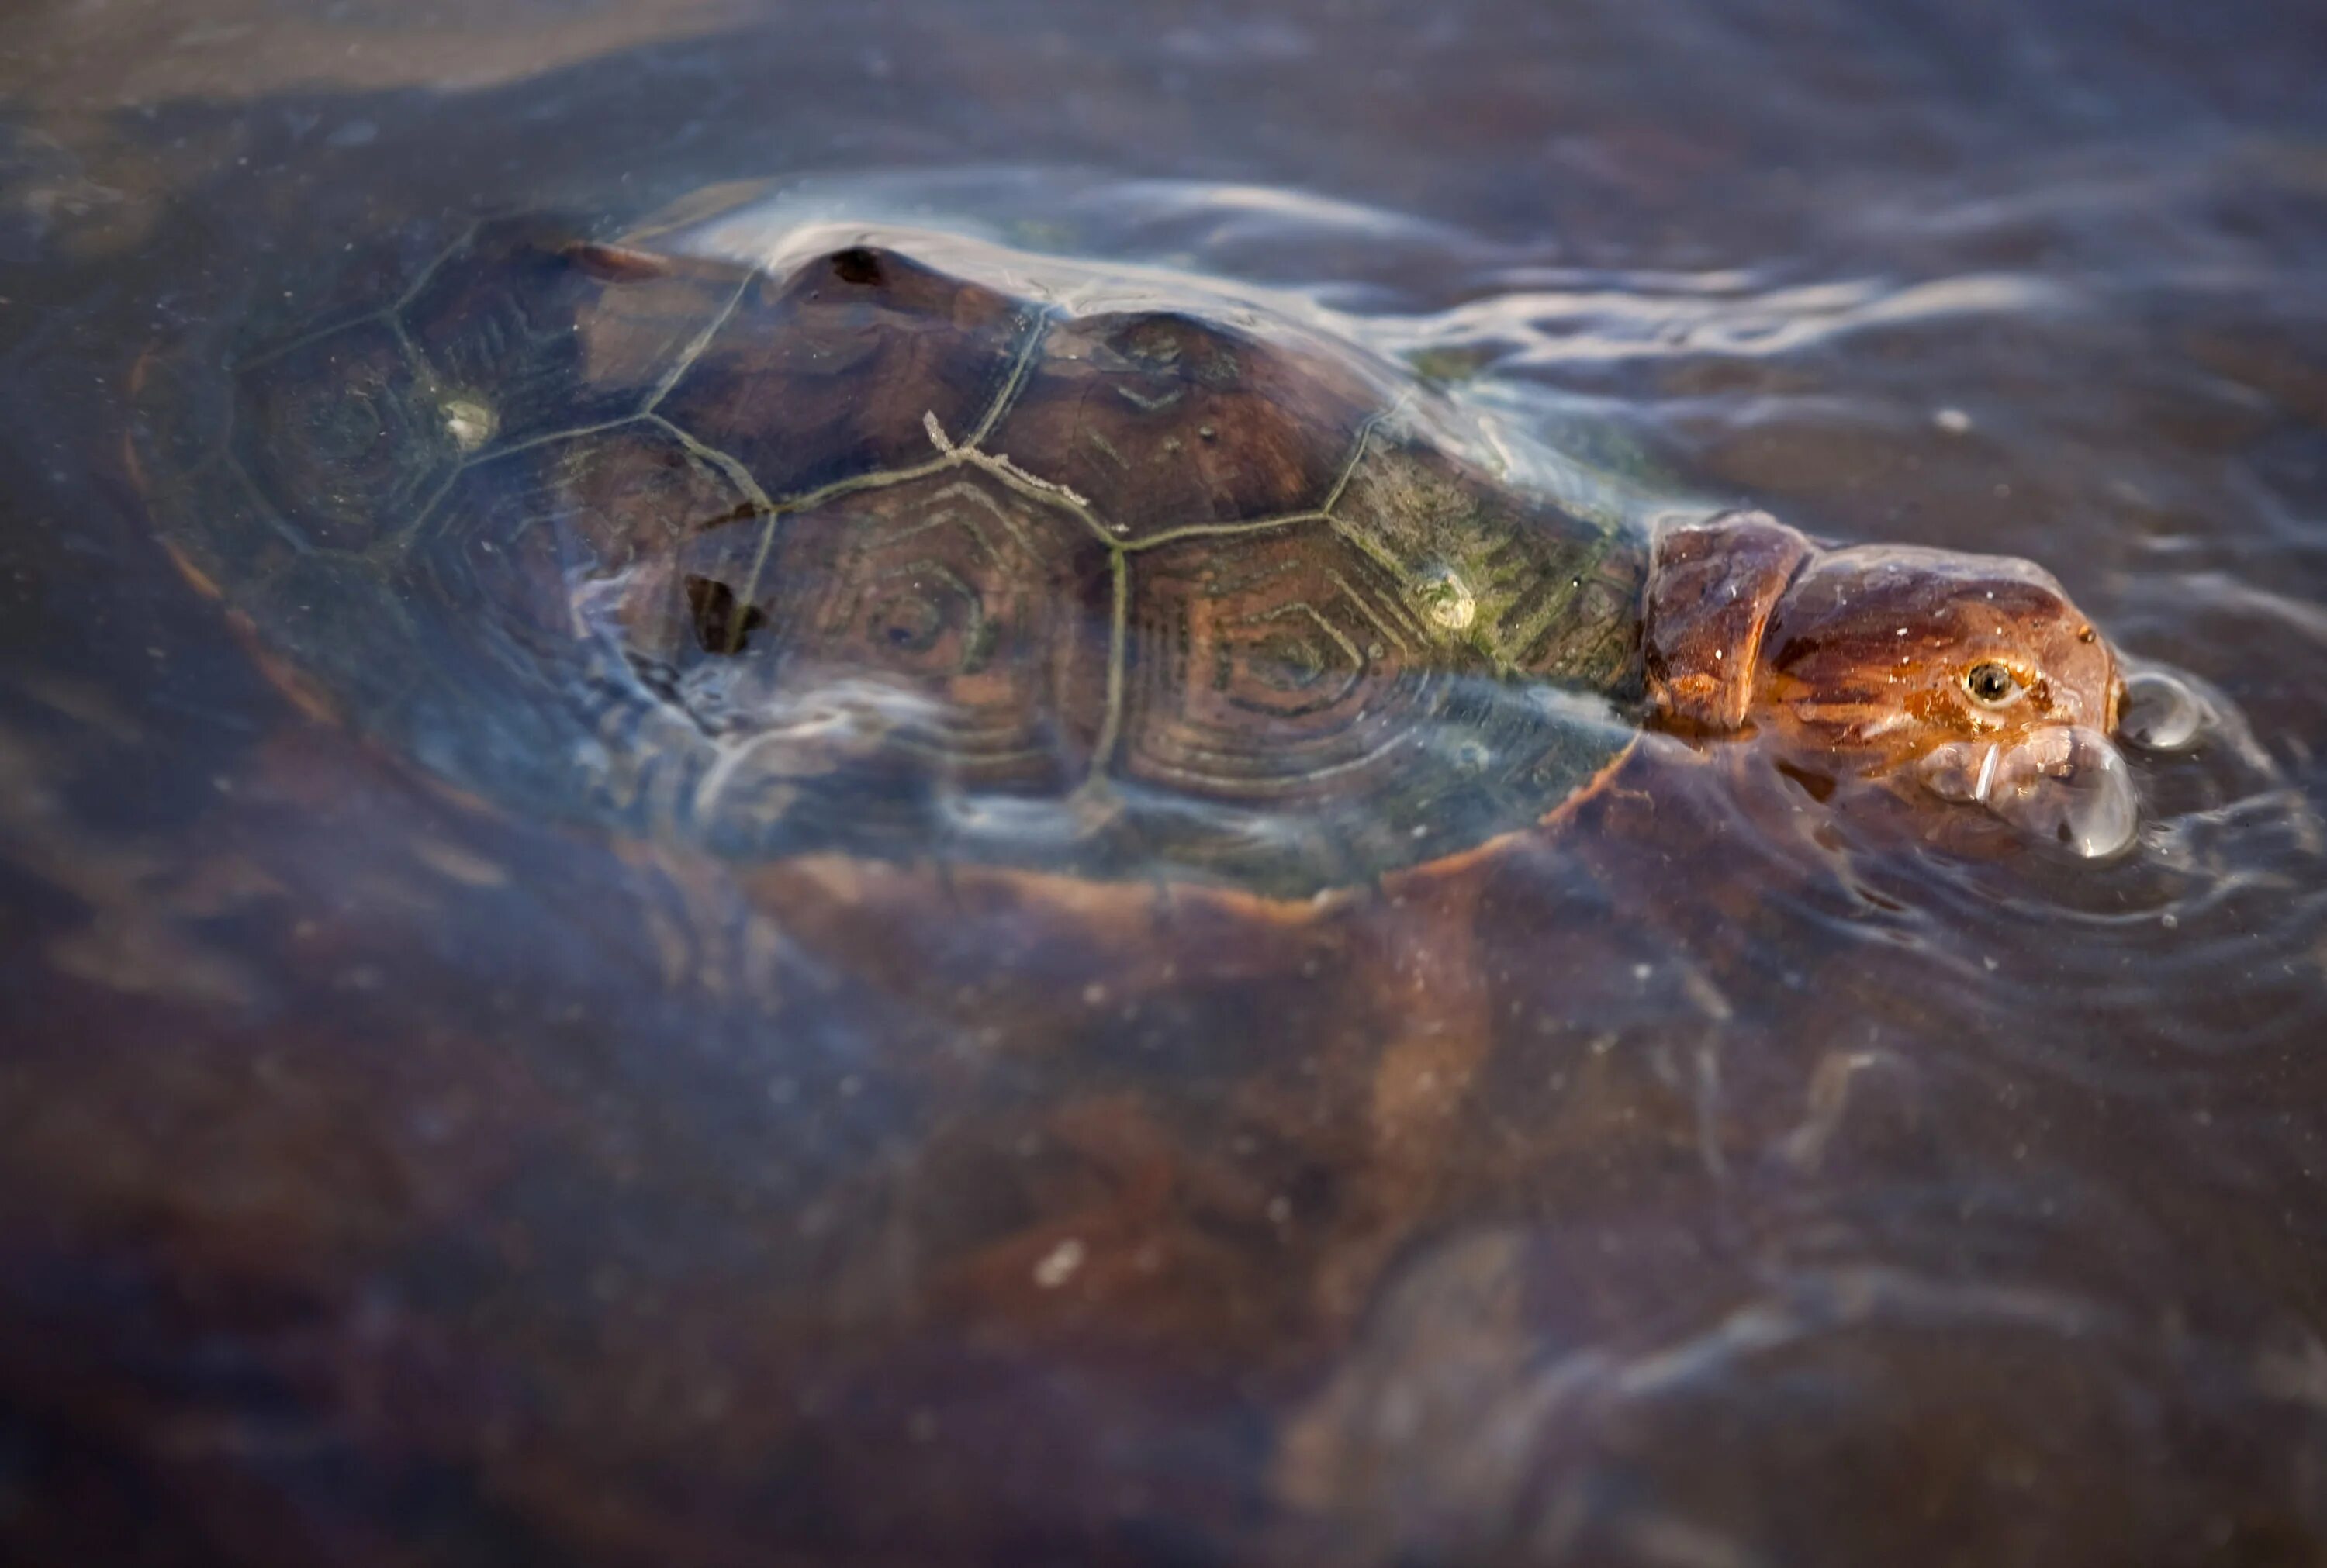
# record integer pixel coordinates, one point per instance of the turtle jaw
(2066, 784)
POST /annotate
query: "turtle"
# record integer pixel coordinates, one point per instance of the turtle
(1134, 700)
(905, 546)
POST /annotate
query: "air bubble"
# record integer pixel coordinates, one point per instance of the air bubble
(2162, 712)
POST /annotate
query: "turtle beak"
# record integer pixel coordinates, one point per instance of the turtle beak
(2066, 784)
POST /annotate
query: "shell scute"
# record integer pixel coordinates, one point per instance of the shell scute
(526, 337)
(573, 540)
(1161, 419)
(1301, 684)
(837, 370)
(543, 593)
(979, 618)
(1527, 589)
(344, 436)
(1292, 634)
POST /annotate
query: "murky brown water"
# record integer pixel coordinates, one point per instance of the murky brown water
(385, 1177)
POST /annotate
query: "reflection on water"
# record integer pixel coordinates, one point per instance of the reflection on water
(1719, 1179)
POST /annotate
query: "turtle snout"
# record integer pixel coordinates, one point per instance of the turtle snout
(2063, 783)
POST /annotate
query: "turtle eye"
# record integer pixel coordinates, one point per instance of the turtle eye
(1990, 683)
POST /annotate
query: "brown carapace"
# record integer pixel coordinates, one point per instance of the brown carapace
(904, 547)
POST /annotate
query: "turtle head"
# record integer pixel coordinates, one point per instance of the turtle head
(1970, 678)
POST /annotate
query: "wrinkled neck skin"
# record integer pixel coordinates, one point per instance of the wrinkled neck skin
(1956, 681)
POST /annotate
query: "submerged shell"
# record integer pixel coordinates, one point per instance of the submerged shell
(852, 552)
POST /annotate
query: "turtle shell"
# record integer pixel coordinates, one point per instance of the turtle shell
(906, 548)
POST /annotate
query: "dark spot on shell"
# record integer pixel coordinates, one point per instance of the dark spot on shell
(717, 625)
(857, 265)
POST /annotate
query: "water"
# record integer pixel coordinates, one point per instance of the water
(1721, 1181)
